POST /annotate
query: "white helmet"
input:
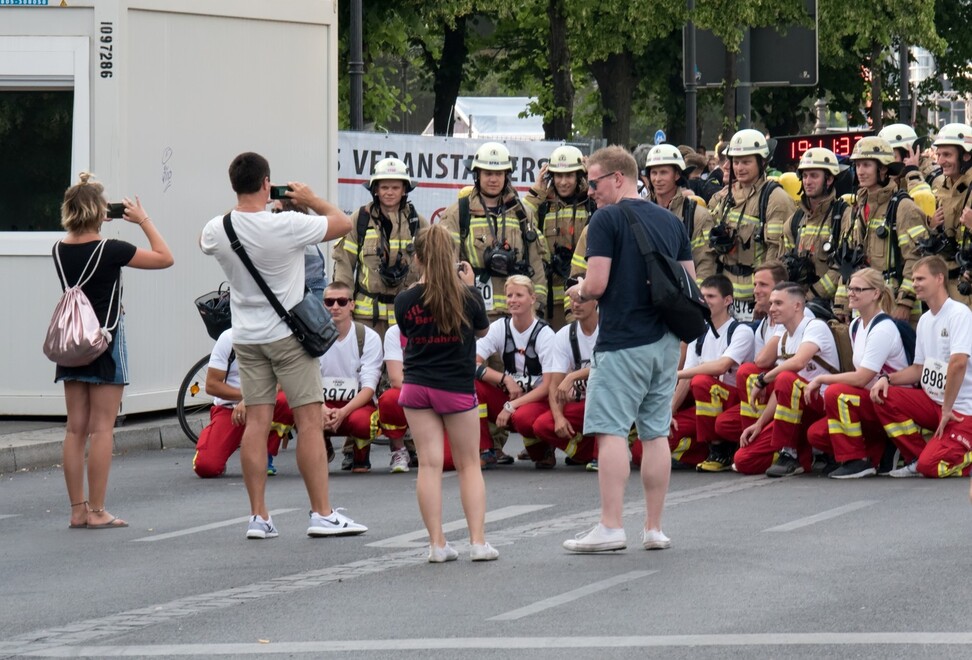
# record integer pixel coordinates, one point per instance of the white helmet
(899, 136)
(566, 159)
(956, 135)
(391, 169)
(819, 158)
(492, 156)
(748, 142)
(665, 154)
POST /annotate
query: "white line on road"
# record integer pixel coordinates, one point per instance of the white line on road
(413, 539)
(877, 639)
(205, 528)
(825, 515)
(8, 515)
(569, 596)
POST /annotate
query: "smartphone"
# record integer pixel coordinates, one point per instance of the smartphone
(116, 210)
(280, 192)
(459, 267)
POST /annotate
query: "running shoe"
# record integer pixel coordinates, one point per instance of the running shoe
(655, 539)
(336, 524)
(598, 539)
(399, 461)
(261, 529)
(441, 555)
(855, 469)
(484, 552)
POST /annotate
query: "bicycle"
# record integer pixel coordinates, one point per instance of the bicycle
(192, 402)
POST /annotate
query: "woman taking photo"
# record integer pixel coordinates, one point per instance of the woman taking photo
(440, 319)
(878, 350)
(93, 392)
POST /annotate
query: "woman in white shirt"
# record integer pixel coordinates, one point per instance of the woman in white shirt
(878, 350)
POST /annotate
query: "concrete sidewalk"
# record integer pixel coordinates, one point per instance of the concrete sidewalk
(26, 444)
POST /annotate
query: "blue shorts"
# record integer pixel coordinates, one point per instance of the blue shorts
(632, 386)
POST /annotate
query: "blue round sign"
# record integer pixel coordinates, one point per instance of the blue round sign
(659, 136)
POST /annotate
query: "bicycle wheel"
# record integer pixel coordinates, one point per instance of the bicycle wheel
(193, 404)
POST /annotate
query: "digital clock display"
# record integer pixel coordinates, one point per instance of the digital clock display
(790, 148)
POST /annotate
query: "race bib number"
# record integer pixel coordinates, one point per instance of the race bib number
(933, 378)
(524, 381)
(340, 389)
(486, 291)
(580, 390)
(742, 310)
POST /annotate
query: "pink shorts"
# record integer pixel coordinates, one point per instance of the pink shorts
(442, 402)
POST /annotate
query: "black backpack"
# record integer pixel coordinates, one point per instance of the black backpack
(732, 328)
(908, 335)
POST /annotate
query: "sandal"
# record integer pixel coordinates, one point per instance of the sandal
(114, 523)
(83, 525)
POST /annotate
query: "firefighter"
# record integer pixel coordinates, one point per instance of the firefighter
(902, 139)
(562, 208)
(749, 214)
(667, 187)
(375, 258)
(813, 231)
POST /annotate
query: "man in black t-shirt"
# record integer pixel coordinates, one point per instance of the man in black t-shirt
(633, 371)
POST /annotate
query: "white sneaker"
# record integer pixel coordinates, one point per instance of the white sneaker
(655, 539)
(484, 552)
(399, 461)
(441, 555)
(599, 539)
(908, 471)
(261, 529)
(337, 524)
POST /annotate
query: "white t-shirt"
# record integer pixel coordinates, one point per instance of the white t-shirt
(275, 243)
(878, 347)
(940, 336)
(219, 359)
(342, 360)
(394, 352)
(767, 329)
(562, 355)
(495, 342)
(740, 350)
(814, 331)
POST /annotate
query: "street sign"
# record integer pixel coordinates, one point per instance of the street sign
(659, 136)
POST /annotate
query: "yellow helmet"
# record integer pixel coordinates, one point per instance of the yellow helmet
(874, 148)
(748, 142)
(791, 184)
(957, 135)
(899, 136)
(566, 159)
(819, 158)
(391, 169)
(665, 154)
(492, 156)
(925, 200)
(849, 198)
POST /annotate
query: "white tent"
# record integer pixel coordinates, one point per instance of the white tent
(494, 117)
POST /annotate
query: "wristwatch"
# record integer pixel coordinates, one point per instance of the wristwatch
(508, 407)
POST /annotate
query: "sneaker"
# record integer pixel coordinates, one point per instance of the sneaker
(592, 466)
(271, 470)
(784, 466)
(487, 459)
(906, 472)
(337, 524)
(261, 529)
(360, 468)
(502, 458)
(548, 462)
(889, 460)
(523, 456)
(399, 461)
(824, 465)
(571, 462)
(678, 465)
(412, 459)
(599, 539)
(330, 449)
(855, 469)
(347, 462)
(716, 462)
(441, 555)
(484, 552)
(655, 539)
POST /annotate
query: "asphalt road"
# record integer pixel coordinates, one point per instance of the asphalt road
(793, 568)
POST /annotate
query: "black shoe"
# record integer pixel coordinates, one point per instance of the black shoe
(889, 460)
(412, 459)
(823, 464)
(502, 458)
(855, 469)
(718, 460)
(569, 461)
(678, 465)
(784, 466)
(347, 462)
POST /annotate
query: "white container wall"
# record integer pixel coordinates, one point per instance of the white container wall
(185, 87)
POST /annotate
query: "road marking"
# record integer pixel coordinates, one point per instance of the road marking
(9, 515)
(570, 596)
(820, 517)
(205, 528)
(412, 539)
(877, 639)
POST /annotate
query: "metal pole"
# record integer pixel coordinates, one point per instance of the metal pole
(691, 95)
(904, 102)
(744, 90)
(820, 108)
(356, 68)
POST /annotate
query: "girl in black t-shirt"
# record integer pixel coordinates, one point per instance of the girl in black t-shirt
(93, 392)
(440, 319)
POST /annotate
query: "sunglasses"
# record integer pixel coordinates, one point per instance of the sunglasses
(592, 183)
(340, 302)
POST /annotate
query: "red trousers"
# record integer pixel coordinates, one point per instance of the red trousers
(793, 414)
(759, 454)
(391, 416)
(360, 426)
(684, 443)
(905, 412)
(581, 448)
(851, 430)
(492, 399)
(712, 399)
(221, 438)
(734, 418)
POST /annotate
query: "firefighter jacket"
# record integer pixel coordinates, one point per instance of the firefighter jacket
(698, 227)
(953, 197)
(815, 233)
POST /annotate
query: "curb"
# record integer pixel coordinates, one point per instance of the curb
(42, 448)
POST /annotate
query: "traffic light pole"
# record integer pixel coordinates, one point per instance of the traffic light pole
(745, 88)
(691, 93)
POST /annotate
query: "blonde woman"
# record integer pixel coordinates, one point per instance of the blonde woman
(440, 318)
(879, 350)
(93, 392)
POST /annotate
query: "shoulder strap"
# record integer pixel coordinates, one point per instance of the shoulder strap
(819, 360)
(574, 344)
(732, 329)
(645, 245)
(464, 222)
(764, 196)
(688, 216)
(359, 333)
(795, 226)
(509, 349)
(86, 276)
(542, 214)
(245, 258)
(413, 220)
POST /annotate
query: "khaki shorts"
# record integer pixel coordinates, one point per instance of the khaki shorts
(284, 361)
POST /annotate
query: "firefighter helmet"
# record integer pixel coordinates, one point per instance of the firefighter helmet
(790, 182)
(957, 135)
(391, 169)
(492, 156)
(566, 159)
(819, 158)
(748, 142)
(874, 148)
(664, 154)
(899, 136)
